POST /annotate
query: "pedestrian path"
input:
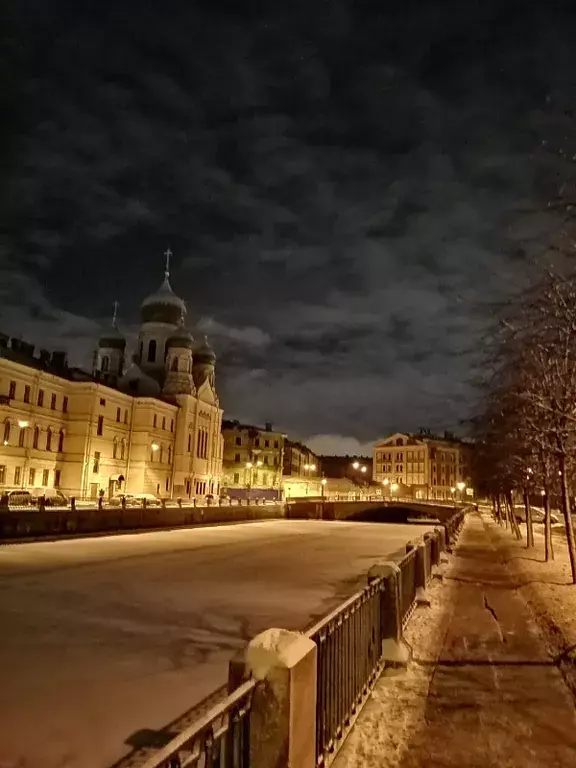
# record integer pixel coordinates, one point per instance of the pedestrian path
(494, 696)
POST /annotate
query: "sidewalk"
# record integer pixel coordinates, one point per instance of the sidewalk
(483, 688)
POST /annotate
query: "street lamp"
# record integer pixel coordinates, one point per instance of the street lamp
(394, 487)
(385, 481)
(363, 469)
(155, 447)
(356, 465)
(460, 486)
(23, 424)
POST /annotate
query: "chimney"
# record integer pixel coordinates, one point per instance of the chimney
(15, 344)
(59, 359)
(27, 348)
(4, 340)
(268, 426)
(44, 357)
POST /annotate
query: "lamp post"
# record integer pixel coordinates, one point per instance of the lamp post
(249, 466)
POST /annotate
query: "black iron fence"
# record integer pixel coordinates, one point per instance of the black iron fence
(349, 660)
(220, 739)
(407, 585)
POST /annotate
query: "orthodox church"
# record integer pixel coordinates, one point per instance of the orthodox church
(150, 425)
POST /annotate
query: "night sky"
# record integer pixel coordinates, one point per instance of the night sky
(343, 188)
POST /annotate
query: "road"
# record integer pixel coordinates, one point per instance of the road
(103, 637)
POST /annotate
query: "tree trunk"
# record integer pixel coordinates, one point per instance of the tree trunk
(502, 515)
(567, 515)
(529, 527)
(548, 548)
(513, 522)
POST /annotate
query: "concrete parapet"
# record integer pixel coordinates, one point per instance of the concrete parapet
(422, 568)
(283, 715)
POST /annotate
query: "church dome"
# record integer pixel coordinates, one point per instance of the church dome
(182, 338)
(163, 306)
(112, 340)
(204, 353)
(136, 382)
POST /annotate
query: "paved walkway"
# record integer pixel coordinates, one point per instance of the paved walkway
(494, 695)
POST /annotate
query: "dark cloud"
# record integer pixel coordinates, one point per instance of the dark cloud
(339, 186)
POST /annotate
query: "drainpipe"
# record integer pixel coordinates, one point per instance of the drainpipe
(129, 443)
(173, 471)
(88, 445)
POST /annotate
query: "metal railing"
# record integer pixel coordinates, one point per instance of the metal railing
(220, 739)
(349, 660)
(407, 585)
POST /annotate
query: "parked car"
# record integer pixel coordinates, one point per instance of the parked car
(52, 497)
(151, 500)
(537, 514)
(16, 498)
(116, 501)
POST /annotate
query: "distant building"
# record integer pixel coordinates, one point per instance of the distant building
(302, 476)
(253, 460)
(424, 466)
(150, 427)
(358, 469)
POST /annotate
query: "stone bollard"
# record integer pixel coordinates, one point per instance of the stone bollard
(395, 652)
(42, 504)
(421, 574)
(123, 503)
(100, 502)
(144, 503)
(73, 503)
(179, 502)
(283, 715)
(163, 503)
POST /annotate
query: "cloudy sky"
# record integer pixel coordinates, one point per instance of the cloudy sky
(343, 189)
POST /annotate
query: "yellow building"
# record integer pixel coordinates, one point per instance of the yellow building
(301, 473)
(253, 460)
(152, 428)
(423, 466)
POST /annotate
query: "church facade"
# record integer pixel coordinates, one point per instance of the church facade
(150, 426)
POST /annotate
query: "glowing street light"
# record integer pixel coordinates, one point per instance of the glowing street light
(385, 481)
(460, 486)
(394, 487)
(363, 469)
(249, 465)
(312, 467)
(542, 493)
(23, 424)
(324, 481)
(452, 490)
(155, 447)
(356, 465)
(258, 463)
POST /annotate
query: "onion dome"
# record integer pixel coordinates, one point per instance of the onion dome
(204, 353)
(182, 338)
(138, 383)
(163, 306)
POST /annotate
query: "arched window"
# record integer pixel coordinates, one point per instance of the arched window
(22, 437)
(161, 454)
(152, 351)
(169, 454)
(105, 363)
(49, 440)
(174, 363)
(36, 437)
(122, 448)
(114, 448)
(61, 441)
(6, 431)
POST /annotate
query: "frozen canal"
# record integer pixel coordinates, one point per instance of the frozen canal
(103, 637)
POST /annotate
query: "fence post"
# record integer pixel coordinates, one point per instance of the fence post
(73, 503)
(283, 714)
(395, 652)
(421, 574)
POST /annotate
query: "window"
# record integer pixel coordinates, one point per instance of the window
(36, 438)
(105, 363)
(238, 441)
(155, 421)
(264, 479)
(2, 474)
(118, 414)
(189, 443)
(257, 442)
(169, 455)
(22, 437)
(275, 461)
(114, 448)
(237, 458)
(45, 477)
(12, 390)
(17, 475)
(174, 365)
(126, 416)
(64, 405)
(61, 441)
(56, 478)
(100, 427)
(96, 465)
(172, 425)
(266, 443)
(152, 351)
(122, 449)
(32, 475)
(6, 432)
(265, 459)
(399, 441)
(102, 401)
(275, 443)
(167, 484)
(53, 402)
(27, 393)
(48, 441)
(236, 478)
(163, 422)
(161, 454)
(40, 398)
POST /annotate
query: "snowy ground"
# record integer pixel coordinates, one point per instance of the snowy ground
(103, 637)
